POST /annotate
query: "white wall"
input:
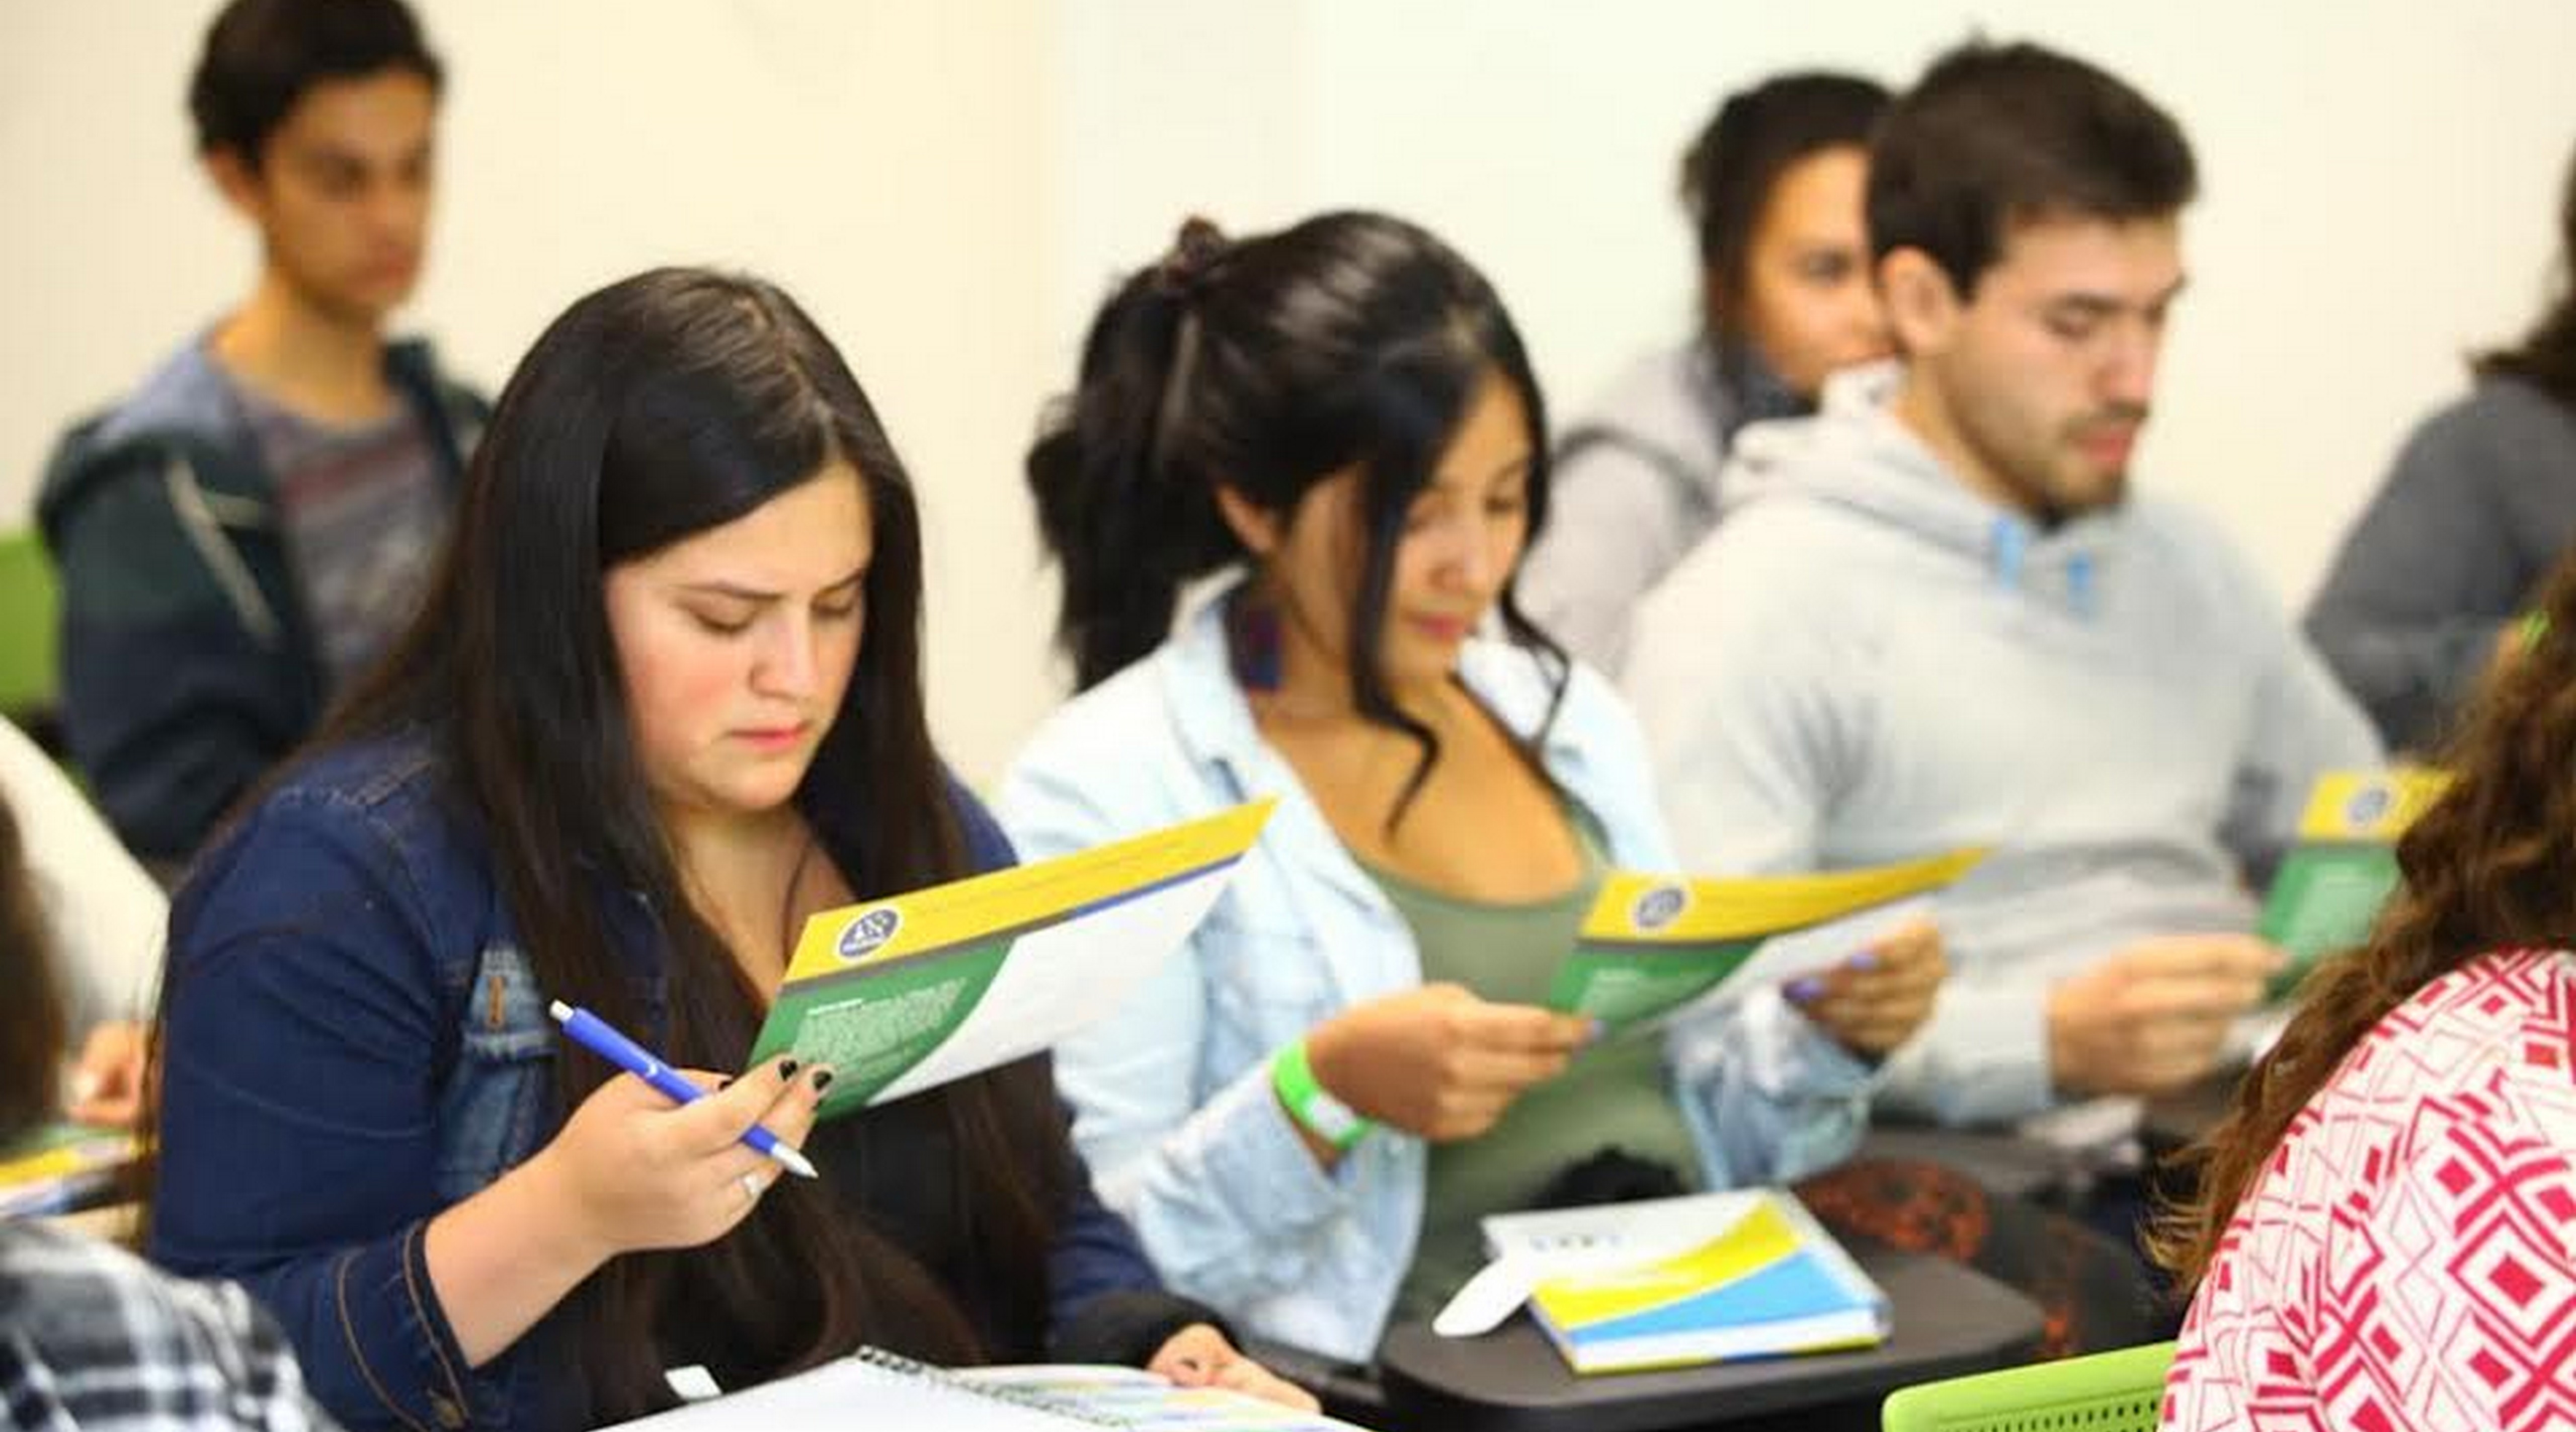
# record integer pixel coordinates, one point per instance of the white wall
(883, 160)
(2380, 183)
(951, 187)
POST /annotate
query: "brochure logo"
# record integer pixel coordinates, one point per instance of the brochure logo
(2368, 805)
(868, 931)
(1658, 907)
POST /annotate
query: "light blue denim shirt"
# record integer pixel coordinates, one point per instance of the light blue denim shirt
(1172, 1097)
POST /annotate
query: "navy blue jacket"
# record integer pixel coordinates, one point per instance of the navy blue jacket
(355, 1042)
(190, 664)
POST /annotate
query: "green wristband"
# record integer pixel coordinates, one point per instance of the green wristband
(2535, 629)
(1307, 1101)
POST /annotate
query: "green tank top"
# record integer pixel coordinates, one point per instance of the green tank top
(1613, 1093)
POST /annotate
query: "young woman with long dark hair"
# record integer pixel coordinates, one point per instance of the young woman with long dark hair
(2384, 1229)
(1334, 433)
(664, 701)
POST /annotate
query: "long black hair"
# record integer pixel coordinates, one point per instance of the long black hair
(1267, 365)
(2546, 356)
(661, 406)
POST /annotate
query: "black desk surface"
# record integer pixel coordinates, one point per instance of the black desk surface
(1949, 1320)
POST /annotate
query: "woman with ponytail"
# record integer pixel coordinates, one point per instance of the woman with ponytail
(664, 702)
(2384, 1233)
(1288, 497)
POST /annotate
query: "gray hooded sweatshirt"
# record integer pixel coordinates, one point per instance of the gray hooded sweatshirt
(1634, 488)
(1867, 662)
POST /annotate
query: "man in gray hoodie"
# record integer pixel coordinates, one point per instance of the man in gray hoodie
(1934, 616)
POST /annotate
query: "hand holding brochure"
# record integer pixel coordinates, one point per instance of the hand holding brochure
(1673, 1282)
(2344, 866)
(905, 994)
(1654, 943)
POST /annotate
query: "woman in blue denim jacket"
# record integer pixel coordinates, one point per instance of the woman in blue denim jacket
(633, 740)
(1307, 1111)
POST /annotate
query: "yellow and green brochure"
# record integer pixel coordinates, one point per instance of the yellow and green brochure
(1653, 943)
(905, 994)
(2343, 866)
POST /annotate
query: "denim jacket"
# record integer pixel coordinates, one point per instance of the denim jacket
(356, 1042)
(1172, 1095)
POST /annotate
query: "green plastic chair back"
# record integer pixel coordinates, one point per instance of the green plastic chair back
(2120, 1391)
(28, 613)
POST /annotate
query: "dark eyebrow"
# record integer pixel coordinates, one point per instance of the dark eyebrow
(1517, 466)
(2101, 304)
(759, 597)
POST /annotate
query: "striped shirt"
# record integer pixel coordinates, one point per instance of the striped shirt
(364, 508)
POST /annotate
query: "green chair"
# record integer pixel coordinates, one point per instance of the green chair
(2120, 1391)
(29, 610)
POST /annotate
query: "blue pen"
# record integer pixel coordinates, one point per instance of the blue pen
(596, 1035)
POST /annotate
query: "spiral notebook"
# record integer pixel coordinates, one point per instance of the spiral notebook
(881, 1389)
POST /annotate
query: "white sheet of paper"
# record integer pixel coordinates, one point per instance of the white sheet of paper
(1810, 951)
(850, 1393)
(1063, 977)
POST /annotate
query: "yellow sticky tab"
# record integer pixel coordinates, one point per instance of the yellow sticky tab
(2369, 807)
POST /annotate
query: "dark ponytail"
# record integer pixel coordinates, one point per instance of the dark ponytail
(1126, 526)
(1351, 341)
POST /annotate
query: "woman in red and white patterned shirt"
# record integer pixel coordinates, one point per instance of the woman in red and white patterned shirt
(2386, 1231)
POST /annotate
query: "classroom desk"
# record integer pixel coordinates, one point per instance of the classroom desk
(1949, 1320)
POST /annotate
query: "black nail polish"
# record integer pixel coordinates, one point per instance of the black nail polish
(787, 1068)
(822, 1080)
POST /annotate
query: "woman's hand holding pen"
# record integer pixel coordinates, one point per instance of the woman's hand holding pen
(637, 1173)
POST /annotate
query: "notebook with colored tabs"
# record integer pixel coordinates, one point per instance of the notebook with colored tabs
(1675, 1282)
(62, 1167)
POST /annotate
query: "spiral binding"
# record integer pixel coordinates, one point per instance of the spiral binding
(941, 1377)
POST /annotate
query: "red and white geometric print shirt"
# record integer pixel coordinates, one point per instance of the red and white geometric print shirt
(2407, 1260)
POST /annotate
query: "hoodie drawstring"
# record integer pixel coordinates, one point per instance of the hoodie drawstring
(2011, 538)
(2012, 544)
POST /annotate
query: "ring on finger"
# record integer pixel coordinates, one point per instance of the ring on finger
(752, 1188)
